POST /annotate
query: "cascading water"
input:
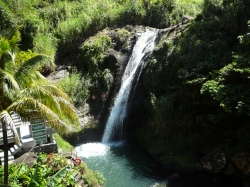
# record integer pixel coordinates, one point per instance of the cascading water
(142, 49)
(126, 164)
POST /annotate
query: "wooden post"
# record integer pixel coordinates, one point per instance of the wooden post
(5, 148)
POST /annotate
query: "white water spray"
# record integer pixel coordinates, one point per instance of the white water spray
(143, 48)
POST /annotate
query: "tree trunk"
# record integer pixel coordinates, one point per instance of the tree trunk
(5, 144)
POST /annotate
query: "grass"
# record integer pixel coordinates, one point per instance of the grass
(62, 144)
(56, 27)
(186, 7)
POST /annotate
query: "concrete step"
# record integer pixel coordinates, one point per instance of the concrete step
(18, 147)
(2, 154)
(14, 149)
(10, 158)
(28, 142)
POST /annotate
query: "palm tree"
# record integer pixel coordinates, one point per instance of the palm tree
(25, 91)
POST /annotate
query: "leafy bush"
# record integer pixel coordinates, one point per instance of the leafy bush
(52, 165)
(7, 20)
(76, 86)
(123, 35)
(67, 23)
(229, 85)
(94, 52)
(62, 144)
(185, 8)
(50, 170)
(157, 14)
(207, 59)
(46, 44)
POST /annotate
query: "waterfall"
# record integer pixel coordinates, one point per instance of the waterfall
(141, 51)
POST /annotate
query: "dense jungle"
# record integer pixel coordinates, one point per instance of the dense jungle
(196, 94)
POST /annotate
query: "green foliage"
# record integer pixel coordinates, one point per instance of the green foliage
(65, 23)
(245, 39)
(56, 179)
(231, 93)
(185, 7)
(175, 77)
(62, 144)
(7, 20)
(94, 52)
(158, 12)
(123, 35)
(229, 85)
(50, 170)
(46, 44)
(198, 85)
(76, 86)
(93, 178)
(204, 59)
(22, 84)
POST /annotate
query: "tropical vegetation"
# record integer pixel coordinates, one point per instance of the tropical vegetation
(196, 87)
(25, 91)
(52, 170)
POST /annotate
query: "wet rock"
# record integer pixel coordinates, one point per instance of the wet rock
(213, 162)
(229, 170)
(174, 176)
(242, 162)
(58, 75)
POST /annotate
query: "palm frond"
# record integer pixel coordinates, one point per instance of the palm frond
(27, 72)
(9, 79)
(29, 108)
(4, 49)
(5, 117)
(33, 62)
(14, 36)
(4, 46)
(8, 45)
(39, 93)
(60, 106)
(68, 110)
(57, 91)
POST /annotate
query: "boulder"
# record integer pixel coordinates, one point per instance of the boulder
(242, 162)
(174, 176)
(59, 74)
(229, 170)
(213, 162)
